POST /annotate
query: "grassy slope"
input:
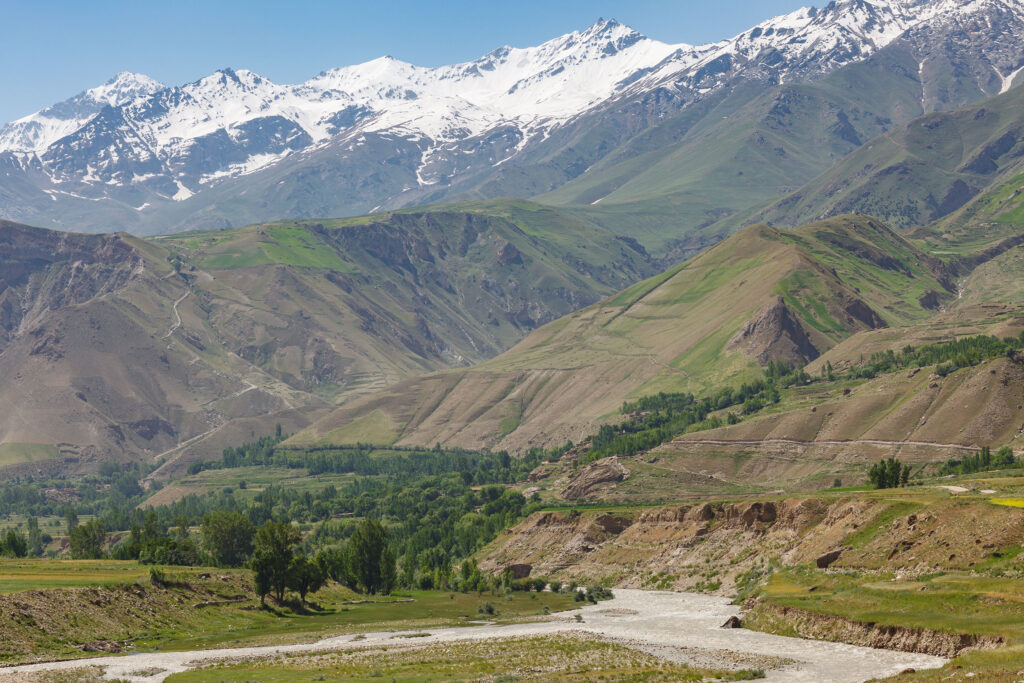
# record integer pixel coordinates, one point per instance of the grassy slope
(703, 170)
(405, 293)
(924, 171)
(669, 333)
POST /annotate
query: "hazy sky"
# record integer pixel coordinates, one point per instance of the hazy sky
(53, 49)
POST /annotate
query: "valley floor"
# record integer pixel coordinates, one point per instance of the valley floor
(678, 628)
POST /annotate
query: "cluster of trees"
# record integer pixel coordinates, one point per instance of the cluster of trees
(259, 452)
(438, 507)
(889, 474)
(368, 460)
(655, 419)
(982, 461)
(946, 356)
(115, 485)
(366, 563)
(14, 543)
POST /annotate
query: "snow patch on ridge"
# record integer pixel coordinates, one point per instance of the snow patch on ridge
(1008, 80)
(532, 90)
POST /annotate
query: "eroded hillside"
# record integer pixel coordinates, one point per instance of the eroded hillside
(120, 348)
(760, 295)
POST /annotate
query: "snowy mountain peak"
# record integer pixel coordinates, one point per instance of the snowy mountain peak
(132, 135)
(123, 88)
(36, 132)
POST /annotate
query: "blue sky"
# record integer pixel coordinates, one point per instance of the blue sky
(52, 49)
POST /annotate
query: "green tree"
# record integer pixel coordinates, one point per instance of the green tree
(71, 518)
(87, 540)
(889, 474)
(275, 548)
(305, 576)
(373, 561)
(227, 537)
(35, 538)
(336, 564)
(1004, 457)
(14, 544)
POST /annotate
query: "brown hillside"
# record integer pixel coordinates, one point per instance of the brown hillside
(759, 295)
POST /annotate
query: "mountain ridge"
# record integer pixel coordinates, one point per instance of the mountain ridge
(154, 163)
(759, 295)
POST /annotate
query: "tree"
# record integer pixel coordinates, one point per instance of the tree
(261, 584)
(14, 544)
(305, 576)
(87, 540)
(35, 538)
(1004, 457)
(227, 536)
(71, 517)
(275, 548)
(336, 564)
(373, 561)
(889, 474)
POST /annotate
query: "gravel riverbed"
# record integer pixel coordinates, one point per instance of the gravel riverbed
(680, 627)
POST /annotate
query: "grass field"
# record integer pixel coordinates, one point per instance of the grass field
(564, 658)
(51, 608)
(335, 614)
(25, 575)
(951, 602)
(285, 244)
(17, 453)
(254, 480)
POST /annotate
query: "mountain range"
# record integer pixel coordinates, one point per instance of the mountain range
(588, 117)
(697, 213)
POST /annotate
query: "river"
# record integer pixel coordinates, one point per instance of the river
(682, 627)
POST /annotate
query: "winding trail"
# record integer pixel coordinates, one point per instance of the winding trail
(177, 315)
(681, 627)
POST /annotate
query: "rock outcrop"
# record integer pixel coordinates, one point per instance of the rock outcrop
(595, 478)
(774, 334)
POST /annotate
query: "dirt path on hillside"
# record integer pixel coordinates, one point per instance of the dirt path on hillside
(849, 442)
(681, 627)
(177, 316)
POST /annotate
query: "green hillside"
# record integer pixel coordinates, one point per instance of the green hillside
(760, 295)
(394, 295)
(926, 170)
(703, 171)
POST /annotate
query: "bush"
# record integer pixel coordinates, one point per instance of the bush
(485, 608)
(157, 577)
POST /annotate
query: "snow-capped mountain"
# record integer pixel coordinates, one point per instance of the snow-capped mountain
(36, 132)
(387, 133)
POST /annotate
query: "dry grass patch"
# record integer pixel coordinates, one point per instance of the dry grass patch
(561, 657)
